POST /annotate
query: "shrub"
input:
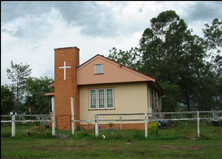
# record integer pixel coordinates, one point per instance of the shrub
(110, 124)
(152, 128)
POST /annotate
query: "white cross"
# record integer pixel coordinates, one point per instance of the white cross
(65, 67)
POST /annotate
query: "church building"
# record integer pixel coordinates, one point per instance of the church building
(100, 86)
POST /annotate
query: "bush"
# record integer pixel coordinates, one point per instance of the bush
(152, 128)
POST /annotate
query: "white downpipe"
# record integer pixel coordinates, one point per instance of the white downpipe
(73, 116)
(53, 116)
(145, 125)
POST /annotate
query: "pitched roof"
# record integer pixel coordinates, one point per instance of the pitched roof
(113, 73)
(118, 74)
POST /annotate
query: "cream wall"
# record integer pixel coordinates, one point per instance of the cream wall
(128, 98)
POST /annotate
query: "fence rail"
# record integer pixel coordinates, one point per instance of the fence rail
(21, 119)
(146, 118)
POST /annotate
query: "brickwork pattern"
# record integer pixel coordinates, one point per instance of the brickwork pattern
(65, 89)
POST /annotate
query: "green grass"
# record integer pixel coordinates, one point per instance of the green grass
(169, 143)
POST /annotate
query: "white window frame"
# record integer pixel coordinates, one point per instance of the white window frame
(90, 104)
(98, 68)
(98, 99)
(107, 99)
(104, 96)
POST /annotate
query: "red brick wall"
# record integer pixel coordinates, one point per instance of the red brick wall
(126, 126)
(64, 89)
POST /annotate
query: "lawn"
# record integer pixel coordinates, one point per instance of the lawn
(172, 142)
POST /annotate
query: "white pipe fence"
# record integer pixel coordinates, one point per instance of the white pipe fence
(51, 118)
(39, 117)
(147, 117)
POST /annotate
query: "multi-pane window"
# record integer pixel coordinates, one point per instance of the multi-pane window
(101, 98)
(93, 98)
(109, 98)
(98, 68)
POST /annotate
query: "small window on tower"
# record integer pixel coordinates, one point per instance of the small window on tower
(98, 69)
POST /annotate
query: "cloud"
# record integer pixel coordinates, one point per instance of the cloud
(203, 11)
(11, 10)
(31, 40)
(97, 19)
(93, 17)
(31, 30)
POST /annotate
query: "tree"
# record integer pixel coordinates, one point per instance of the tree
(213, 36)
(172, 94)
(172, 53)
(36, 89)
(213, 44)
(128, 58)
(7, 100)
(18, 74)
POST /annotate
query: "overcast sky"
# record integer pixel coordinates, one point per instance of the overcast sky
(31, 30)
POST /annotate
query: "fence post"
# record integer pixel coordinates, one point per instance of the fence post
(96, 125)
(198, 124)
(146, 125)
(73, 116)
(53, 116)
(13, 126)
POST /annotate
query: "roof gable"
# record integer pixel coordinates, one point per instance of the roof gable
(113, 72)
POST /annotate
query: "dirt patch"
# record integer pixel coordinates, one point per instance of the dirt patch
(62, 136)
(128, 143)
(168, 147)
(217, 131)
(191, 147)
(117, 150)
(188, 133)
(184, 155)
(173, 147)
(70, 148)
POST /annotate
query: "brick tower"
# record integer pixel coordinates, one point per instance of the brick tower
(65, 86)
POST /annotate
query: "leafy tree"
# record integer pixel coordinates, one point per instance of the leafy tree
(172, 94)
(213, 44)
(203, 97)
(36, 89)
(128, 58)
(172, 53)
(213, 36)
(7, 100)
(18, 74)
(162, 44)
